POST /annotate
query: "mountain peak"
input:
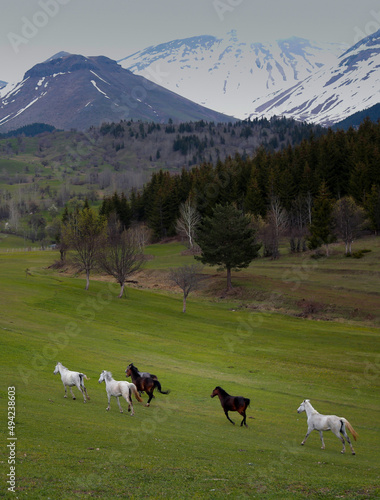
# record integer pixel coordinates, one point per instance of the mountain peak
(229, 73)
(74, 91)
(69, 63)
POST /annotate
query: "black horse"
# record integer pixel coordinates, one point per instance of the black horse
(144, 384)
(232, 403)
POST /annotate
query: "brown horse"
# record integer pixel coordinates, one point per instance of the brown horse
(232, 403)
(144, 384)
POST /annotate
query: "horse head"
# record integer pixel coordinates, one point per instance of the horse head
(215, 392)
(104, 376)
(131, 369)
(302, 406)
(57, 367)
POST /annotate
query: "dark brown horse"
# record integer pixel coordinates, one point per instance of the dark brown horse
(232, 403)
(144, 384)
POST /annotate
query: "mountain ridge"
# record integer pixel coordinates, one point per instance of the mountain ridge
(74, 91)
(331, 94)
(228, 74)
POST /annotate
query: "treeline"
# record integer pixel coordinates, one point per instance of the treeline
(202, 141)
(29, 130)
(341, 163)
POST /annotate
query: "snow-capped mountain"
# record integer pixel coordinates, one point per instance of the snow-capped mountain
(227, 74)
(2, 84)
(73, 91)
(332, 93)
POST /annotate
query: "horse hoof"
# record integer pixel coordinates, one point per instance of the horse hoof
(107, 409)
(88, 399)
(353, 453)
(148, 404)
(65, 396)
(84, 401)
(74, 399)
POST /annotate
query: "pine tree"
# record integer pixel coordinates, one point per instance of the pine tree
(227, 240)
(322, 220)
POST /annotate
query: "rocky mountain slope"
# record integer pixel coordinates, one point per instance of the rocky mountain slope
(227, 74)
(73, 91)
(332, 93)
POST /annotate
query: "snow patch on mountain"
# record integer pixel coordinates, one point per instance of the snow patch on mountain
(332, 93)
(226, 74)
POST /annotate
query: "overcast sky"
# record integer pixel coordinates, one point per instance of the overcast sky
(31, 31)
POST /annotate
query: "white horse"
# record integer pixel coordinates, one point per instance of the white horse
(69, 379)
(318, 422)
(122, 388)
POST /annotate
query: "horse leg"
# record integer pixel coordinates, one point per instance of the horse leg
(226, 413)
(109, 401)
(243, 422)
(81, 390)
(344, 433)
(321, 436)
(87, 396)
(71, 390)
(307, 435)
(150, 394)
(127, 396)
(118, 402)
(65, 396)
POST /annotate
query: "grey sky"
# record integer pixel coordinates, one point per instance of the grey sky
(33, 30)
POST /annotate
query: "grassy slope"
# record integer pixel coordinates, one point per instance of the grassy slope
(182, 446)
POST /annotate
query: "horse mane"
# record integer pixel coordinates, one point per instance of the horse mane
(224, 393)
(107, 375)
(133, 368)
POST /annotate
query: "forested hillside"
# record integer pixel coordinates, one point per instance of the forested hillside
(345, 163)
(260, 166)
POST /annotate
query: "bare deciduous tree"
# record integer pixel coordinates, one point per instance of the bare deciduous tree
(121, 256)
(141, 235)
(188, 278)
(85, 233)
(349, 218)
(277, 221)
(188, 220)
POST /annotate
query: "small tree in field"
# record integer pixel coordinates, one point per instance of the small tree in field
(349, 218)
(227, 239)
(121, 256)
(188, 220)
(85, 234)
(187, 278)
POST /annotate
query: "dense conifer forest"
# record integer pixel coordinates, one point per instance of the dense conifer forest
(345, 163)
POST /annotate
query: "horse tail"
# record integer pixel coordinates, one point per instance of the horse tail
(158, 385)
(135, 392)
(350, 428)
(81, 377)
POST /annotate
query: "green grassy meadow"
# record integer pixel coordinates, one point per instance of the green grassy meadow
(182, 446)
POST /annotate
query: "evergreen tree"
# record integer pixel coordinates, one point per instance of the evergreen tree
(372, 207)
(227, 240)
(322, 220)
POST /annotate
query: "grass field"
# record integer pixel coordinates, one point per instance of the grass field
(183, 446)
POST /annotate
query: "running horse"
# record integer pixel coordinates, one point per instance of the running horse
(144, 384)
(70, 378)
(320, 423)
(232, 403)
(119, 388)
